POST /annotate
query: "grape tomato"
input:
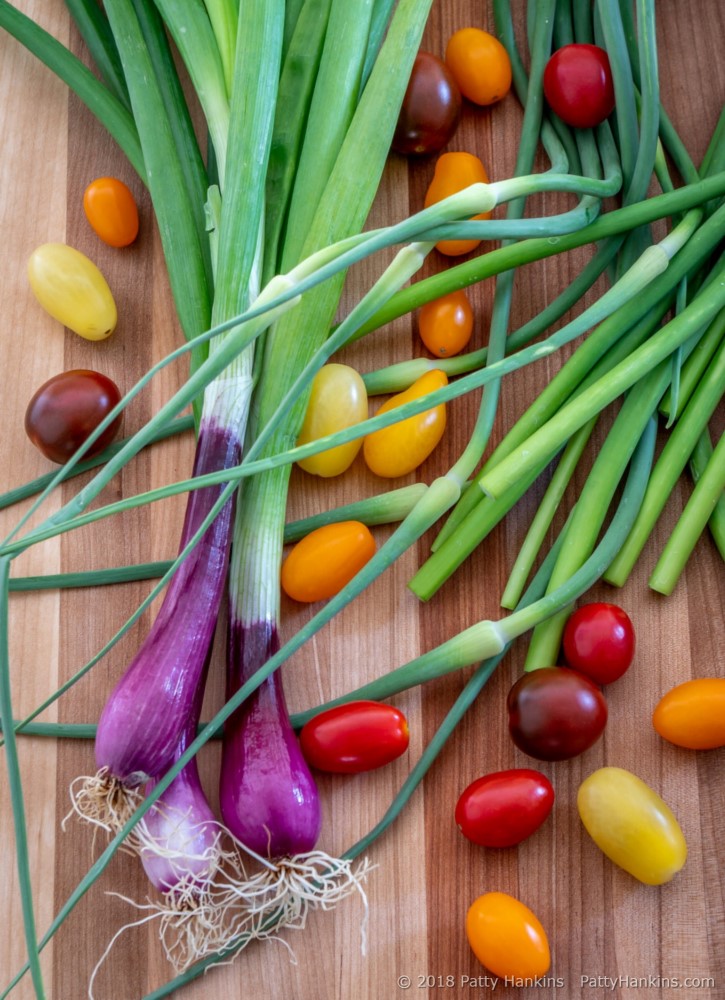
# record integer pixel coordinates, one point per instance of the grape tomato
(398, 449)
(72, 290)
(355, 737)
(430, 110)
(321, 563)
(555, 713)
(480, 65)
(599, 641)
(631, 824)
(111, 210)
(692, 714)
(67, 408)
(445, 325)
(507, 937)
(503, 808)
(578, 85)
(453, 172)
(338, 399)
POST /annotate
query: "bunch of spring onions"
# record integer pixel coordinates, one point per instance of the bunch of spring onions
(258, 235)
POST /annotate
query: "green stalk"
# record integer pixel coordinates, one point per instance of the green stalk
(673, 459)
(16, 790)
(544, 515)
(224, 15)
(489, 638)
(34, 486)
(177, 214)
(93, 26)
(98, 99)
(707, 494)
(698, 463)
(635, 416)
(694, 368)
(194, 37)
(549, 438)
(478, 268)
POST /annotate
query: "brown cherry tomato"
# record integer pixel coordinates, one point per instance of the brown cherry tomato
(555, 713)
(67, 408)
(430, 110)
(355, 737)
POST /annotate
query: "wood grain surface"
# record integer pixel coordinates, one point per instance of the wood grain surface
(600, 922)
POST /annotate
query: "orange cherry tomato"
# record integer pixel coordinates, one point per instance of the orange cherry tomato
(355, 737)
(692, 715)
(111, 210)
(507, 937)
(446, 324)
(321, 563)
(480, 65)
(398, 449)
(453, 173)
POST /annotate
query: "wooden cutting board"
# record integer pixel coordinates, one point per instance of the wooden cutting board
(601, 923)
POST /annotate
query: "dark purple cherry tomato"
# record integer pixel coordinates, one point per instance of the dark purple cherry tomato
(578, 85)
(431, 108)
(67, 409)
(504, 808)
(555, 713)
(599, 641)
(355, 737)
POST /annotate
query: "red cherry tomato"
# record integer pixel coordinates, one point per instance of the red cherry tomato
(446, 324)
(355, 737)
(578, 85)
(504, 808)
(111, 210)
(430, 110)
(599, 641)
(555, 713)
(67, 409)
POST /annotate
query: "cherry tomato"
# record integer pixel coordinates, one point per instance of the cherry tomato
(67, 408)
(578, 85)
(355, 737)
(599, 641)
(71, 288)
(338, 399)
(480, 65)
(446, 324)
(453, 173)
(430, 110)
(504, 808)
(692, 715)
(555, 713)
(398, 449)
(321, 563)
(631, 824)
(111, 210)
(507, 937)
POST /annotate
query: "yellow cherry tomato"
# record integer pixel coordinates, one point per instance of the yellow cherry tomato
(454, 172)
(480, 65)
(338, 399)
(507, 937)
(71, 288)
(692, 714)
(631, 824)
(321, 563)
(398, 449)
(111, 210)
(446, 324)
